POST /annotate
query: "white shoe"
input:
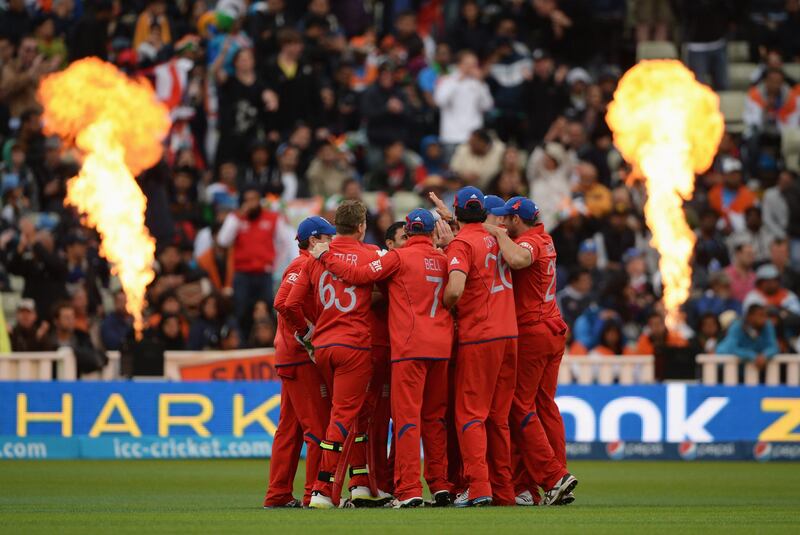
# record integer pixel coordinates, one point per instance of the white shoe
(564, 486)
(409, 503)
(525, 498)
(320, 501)
(362, 497)
(463, 500)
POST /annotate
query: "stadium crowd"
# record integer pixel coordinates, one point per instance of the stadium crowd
(283, 107)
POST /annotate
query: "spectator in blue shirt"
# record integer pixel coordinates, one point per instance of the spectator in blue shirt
(751, 338)
(116, 324)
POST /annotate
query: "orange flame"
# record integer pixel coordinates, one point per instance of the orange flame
(668, 126)
(118, 125)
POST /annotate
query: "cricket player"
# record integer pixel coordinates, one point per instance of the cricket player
(376, 412)
(480, 285)
(542, 340)
(421, 332)
(490, 202)
(305, 405)
(340, 338)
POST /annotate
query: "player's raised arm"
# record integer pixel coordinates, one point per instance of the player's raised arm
(515, 255)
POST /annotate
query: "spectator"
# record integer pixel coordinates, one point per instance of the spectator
(751, 338)
(657, 340)
(478, 159)
(462, 98)
(770, 294)
(294, 84)
(548, 176)
(434, 160)
(588, 327)
(286, 181)
(470, 33)
(263, 334)
(547, 95)
(243, 104)
(575, 296)
(740, 272)
(171, 333)
(328, 171)
(611, 341)
(384, 108)
(731, 198)
(716, 300)
(754, 233)
(707, 336)
(429, 77)
(14, 21)
(705, 25)
(509, 181)
(217, 263)
(252, 232)
(710, 250)
(65, 334)
(769, 106)
(616, 240)
(210, 329)
(653, 18)
(395, 173)
(595, 196)
(779, 257)
(508, 66)
(29, 334)
(21, 77)
(117, 324)
(776, 207)
(152, 19)
(258, 174)
(36, 260)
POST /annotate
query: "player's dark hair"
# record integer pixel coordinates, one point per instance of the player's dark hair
(303, 245)
(470, 215)
(349, 215)
(391, 232)
(530, 222)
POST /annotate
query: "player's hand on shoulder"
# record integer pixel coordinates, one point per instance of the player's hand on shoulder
(319, 249)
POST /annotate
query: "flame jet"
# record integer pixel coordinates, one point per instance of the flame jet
(668, 126)
(118, 125)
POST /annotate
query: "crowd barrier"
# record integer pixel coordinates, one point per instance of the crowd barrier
(257, 364)
(729, 366)
(226, 419)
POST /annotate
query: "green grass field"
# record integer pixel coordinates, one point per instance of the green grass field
(224, 496)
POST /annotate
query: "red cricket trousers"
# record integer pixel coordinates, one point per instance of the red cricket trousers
(373, 421)
(347, 374)
(419, 406)
(305, 408)
(485, 382)
(538, 356)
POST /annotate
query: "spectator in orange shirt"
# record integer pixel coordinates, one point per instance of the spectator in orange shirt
(656, 337)
(731, 198)
(612, 342)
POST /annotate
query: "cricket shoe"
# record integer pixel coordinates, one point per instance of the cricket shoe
(442, 498)
(407, 504)
(320, 501)
(525, 498)
(361, 497)
(463, 500)
(567, 499)
(293, 504)
(564, 486)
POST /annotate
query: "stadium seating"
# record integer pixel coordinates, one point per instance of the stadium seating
(731, 103)
(656, 50)
(739, 75)
(738, 51)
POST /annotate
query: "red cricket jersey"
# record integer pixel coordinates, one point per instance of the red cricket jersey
(380, 312)
(344, 310)
(288, 351)
(416, 274)
(486, 308)
(535, 285)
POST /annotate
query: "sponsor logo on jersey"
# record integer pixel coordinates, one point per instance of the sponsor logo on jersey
(454, 261)
(292, 278)
(375, 265)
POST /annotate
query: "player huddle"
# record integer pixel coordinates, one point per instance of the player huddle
(454, 334)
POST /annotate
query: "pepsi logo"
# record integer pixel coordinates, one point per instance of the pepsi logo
(616, 450)
(687, 450)
(762, 451)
